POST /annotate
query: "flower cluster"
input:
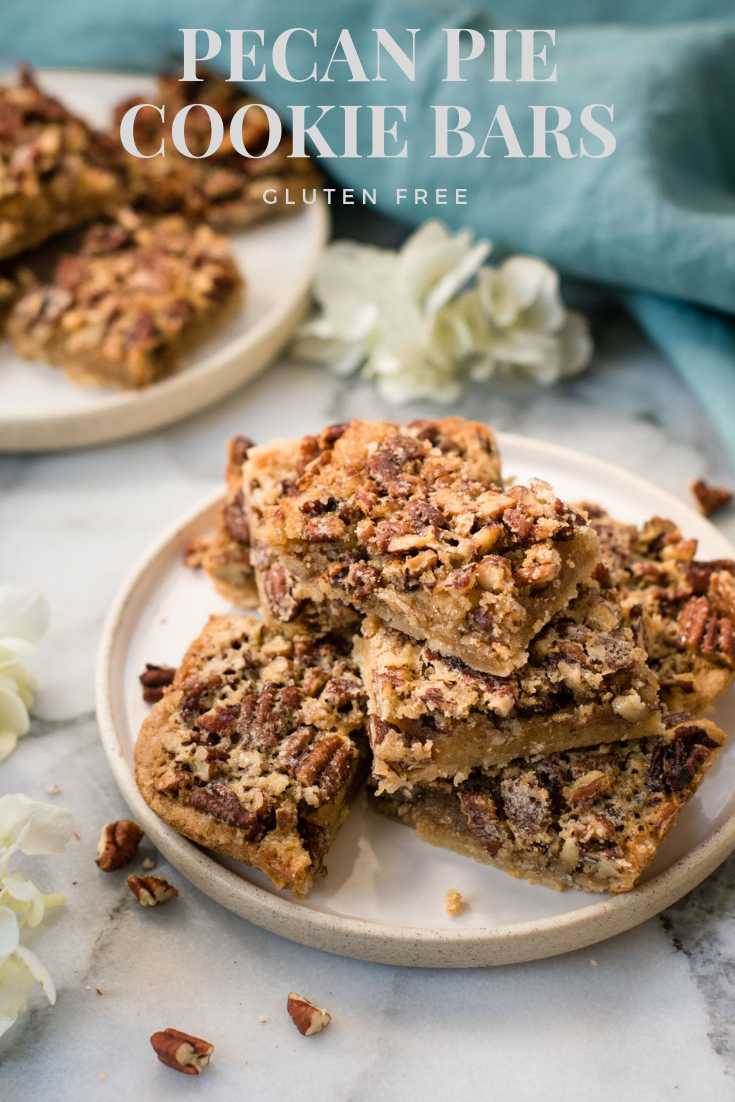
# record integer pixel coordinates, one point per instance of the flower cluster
(24, 615)
(31, 828)
(403, 318)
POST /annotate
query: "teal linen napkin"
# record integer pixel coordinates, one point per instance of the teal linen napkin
(656, 218)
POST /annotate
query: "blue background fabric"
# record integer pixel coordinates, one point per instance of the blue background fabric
(656, 219)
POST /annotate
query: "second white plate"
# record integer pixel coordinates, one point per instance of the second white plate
(41, 410)
(382, 899)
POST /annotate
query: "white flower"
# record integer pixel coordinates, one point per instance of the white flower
(33, 828)
(404, 319)
(24, 616)
(381, 311)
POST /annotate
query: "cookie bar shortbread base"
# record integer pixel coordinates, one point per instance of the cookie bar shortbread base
(256, 749)
(432, 716)
(591, 819)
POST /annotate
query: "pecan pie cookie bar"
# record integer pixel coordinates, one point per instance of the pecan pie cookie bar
(256, 749)
(55, 172)
(224, 189)
(227, 555)
(396, 522)
(121, 310)
(433, 716)
(683, 609)
(591, 819)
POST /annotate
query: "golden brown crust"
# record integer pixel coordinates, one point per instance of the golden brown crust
(255, 750)
(227, 556)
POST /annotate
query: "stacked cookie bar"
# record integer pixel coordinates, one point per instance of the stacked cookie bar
(528, 668)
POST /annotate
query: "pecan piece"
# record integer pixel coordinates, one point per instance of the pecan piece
(393, 465)
(363, 580)
(221, 803)
(481, 818)
(238, 450)
(234, 519)
(118, 844)
(307, 1017)
(674, 765)
(698, 574)
(709, 499)
(277, 587)
(154, 681)
(527, 805)
(151, 890)
(267, 717)
(425, 515)
(181, 1051)
(220, 722)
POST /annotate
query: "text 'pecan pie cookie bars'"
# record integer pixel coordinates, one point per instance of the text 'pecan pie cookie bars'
(432, 716)
(682, 609)
(55, 172)
(392, 521)
(256, 749)
(591, 819)
(121, 310)
(223, 189)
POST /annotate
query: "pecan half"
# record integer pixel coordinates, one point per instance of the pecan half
(181, 1051)
(326, 766)
(154, 681)
(277, 588)
(221, 803)
(118, 844)
(151, 890)
(234, 519)
(307, 1017)
(700, 628)
(267, 717)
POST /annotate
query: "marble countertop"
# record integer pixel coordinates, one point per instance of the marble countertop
(647, 1015)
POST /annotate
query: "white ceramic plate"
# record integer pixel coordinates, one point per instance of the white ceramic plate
(383, 897)
(41, 410)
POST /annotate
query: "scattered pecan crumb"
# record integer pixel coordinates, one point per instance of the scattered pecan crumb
(709, 499)
(194, 553)
(98, 990)
(453, 902)
(53, 790)
(263, 1018)
(154, 681)
(150, 890)
(181, 1051)
(593, 963)
(149, 863)
(118, 844)
(307, 1017)
(77, 835)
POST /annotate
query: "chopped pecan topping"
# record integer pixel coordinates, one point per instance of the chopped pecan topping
(154, 681)
(674, 765)
(363, 580)
(118, 844)
(181, 1051)
(221, 803)
(709, 499)
(423, 515)
(194, 699)
(220, 721)
(393, 465)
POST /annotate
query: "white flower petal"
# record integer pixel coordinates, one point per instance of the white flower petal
(9, 933)
(13, 712)
(23, 897)
(33, 827)
(16, 984)
(8, 743)
(38, 971)
(24, 617)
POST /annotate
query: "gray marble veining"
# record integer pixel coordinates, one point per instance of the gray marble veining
(651, 1019)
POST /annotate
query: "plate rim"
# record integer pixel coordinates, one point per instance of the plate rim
(129, 413)
(362, 939)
